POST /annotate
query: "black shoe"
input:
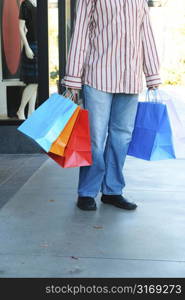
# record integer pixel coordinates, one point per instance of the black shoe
(86, 203)
(119, 201)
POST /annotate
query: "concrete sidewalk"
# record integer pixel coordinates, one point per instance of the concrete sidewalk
(44, 234)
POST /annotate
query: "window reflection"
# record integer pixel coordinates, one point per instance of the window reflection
(53, 33)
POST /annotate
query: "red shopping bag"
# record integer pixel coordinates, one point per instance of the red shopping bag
(78, 151)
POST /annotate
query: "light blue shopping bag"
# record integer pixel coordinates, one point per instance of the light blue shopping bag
(48, 120)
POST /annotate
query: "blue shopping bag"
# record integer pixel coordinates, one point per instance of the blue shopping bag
(152, 134)
(48, 120)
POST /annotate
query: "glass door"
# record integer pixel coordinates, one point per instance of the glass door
(10, 56)
(60, 22)
(55, 19)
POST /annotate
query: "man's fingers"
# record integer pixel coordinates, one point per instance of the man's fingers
(75, 95)
(67, 94)
(153, 87)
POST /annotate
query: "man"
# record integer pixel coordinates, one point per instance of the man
(112, 44)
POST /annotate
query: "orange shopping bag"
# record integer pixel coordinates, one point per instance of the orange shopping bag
(58, 146)
(78, 151)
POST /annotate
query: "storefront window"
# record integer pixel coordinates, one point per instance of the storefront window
(18, 63)
(54, 34)
(68, 24)
(168, 23)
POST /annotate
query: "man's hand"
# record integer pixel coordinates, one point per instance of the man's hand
(75, 93)
(153, 87)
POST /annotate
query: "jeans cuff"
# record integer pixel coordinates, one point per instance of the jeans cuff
(111, 193)
(86, 195)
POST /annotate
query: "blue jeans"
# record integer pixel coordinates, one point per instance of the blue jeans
(112, 118)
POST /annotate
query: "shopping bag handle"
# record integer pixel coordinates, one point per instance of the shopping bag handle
(68, 91)
(152, 95)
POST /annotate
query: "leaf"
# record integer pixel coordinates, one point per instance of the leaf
(73, 257)
(98, 227)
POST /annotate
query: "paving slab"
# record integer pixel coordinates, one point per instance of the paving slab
(165, 175)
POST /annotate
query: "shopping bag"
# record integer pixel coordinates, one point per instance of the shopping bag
(152, 134)
(58, 146)
(48, 120)
(78, 150)
(178, 130)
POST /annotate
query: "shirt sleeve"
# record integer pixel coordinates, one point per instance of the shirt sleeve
(151, 63)
(78, 46)
(23, 12)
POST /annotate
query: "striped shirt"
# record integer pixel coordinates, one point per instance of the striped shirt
(111, 46)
